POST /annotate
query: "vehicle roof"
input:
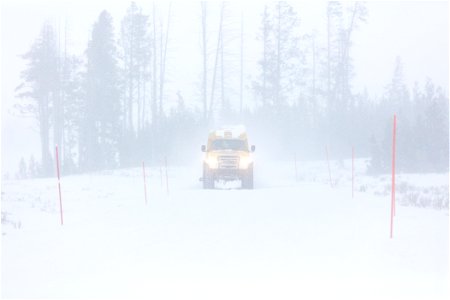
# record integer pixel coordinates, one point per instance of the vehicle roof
(230, 132)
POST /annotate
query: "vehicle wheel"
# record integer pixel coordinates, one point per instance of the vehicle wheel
(208, 180)
(247, 181)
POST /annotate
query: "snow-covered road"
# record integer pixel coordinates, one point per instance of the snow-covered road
(286, 239)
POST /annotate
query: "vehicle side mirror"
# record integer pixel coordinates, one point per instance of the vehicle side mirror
(203, 148)
(252, 148)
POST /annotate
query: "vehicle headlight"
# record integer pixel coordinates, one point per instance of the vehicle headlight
(245, 162)
(212, 162)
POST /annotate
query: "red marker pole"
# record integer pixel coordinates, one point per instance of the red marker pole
(393, 174)
(329, 170)
(59, 184)
(145, 182)
(167, 176)
(353, 170)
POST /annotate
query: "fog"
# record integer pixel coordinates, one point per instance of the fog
(224, 150)
(386, 38)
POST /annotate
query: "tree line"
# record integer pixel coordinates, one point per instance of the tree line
(106, 108)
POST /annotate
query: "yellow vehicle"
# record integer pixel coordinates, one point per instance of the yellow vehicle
(228, 158)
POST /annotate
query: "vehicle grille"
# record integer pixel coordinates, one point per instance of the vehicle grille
(228, 162)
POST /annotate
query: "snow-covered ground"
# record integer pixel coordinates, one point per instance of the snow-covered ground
(289, 238)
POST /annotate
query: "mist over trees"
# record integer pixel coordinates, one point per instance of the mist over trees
(40, 88)
(107, 107)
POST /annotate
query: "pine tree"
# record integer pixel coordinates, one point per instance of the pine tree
(355, 14)
(287, 55)
(32, 168)
(73, 105)
(136, 45)
(280, 59)
(436, 128)
(342, 21)
(263, 87)
(22, 174)
(334, 21)
(39, 88)
(101, 116)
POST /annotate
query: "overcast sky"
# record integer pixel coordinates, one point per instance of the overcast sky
(416, 31)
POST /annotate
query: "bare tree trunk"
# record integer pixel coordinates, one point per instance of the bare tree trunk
(139, 121)
(57, 98)
(44, 134)
(278, 79)
(154, 106)
(211, 100)
(241, 87)
(328, 55)
(204, 89)
(129, 107)
(222, 66)
(346, 55)
(66, 129)
(163, 60)
(144, 99)
(314, 74)
(131, 79)
(161, 50)
(265, 42)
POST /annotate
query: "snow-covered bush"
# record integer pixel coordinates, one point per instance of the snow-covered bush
(435, 197)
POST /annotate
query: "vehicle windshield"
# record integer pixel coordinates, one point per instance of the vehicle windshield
(229, 144)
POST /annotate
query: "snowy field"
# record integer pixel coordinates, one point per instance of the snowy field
(289, 238)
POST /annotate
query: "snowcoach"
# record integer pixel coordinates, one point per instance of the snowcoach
(228, 157)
